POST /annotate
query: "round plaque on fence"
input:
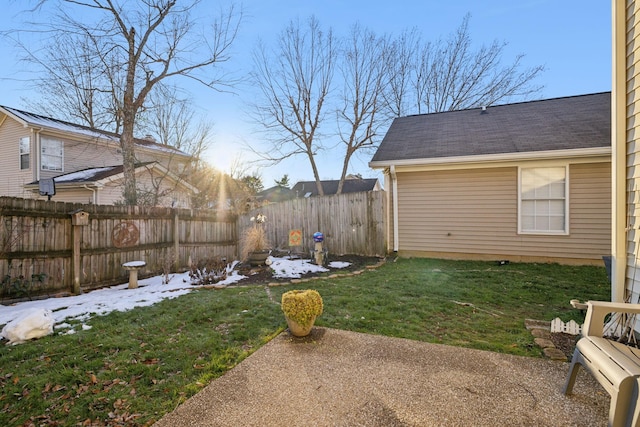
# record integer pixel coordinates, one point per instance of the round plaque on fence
(125, 234)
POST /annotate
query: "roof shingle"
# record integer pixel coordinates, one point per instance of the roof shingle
(355, 185)
(574, 122)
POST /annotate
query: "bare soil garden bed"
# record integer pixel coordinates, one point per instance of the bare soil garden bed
(565, 342)
(264, 274)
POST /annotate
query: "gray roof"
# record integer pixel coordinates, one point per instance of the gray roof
(90, 175)
(354, 185)
(275, 194)
(574, 122)
(95, 175)
(37, 120)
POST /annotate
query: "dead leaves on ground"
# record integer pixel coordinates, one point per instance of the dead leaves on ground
(62, 398)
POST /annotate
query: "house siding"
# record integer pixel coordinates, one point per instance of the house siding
(473, 213)
(174, 163)
(15, 178)
(169, 190)
(110, 194)
(81, 152)
(72, 196)
(627, 119)
(78, 154)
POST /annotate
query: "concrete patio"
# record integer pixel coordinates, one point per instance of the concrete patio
(340, 378)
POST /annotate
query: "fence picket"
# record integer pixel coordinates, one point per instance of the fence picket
(353, 223)
(36, 237)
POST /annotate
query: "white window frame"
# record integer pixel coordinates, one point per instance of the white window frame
(542, 199)
(24, 149)
(47, 152)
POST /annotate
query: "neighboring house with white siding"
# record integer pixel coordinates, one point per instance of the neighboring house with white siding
(528, 181)
(85, 163)
(626, 151)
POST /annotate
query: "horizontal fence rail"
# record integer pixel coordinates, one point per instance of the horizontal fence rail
(49, 248)
(352, 223)
(37, 243)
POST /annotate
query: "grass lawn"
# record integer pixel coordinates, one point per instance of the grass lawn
(133, 367)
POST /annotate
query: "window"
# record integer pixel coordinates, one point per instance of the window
(51, 155)
(25, 149)
(543, 200)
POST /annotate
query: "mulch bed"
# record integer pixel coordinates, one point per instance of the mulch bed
(264, 275)
(565, 342)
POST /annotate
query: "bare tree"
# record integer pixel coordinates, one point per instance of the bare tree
(225, 193)
(379, 79)
(212, 188)
(170, 120)
(75, 82)
(365, 78)
(295, 81)
(78, 92)
(402, 59)
(139, 45)
(173, 121)
(451, 75)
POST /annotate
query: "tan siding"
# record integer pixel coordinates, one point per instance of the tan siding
(14, 179)
(171, 196)
(590, 207)
(174, 163)
(110, 194)
(79, 152)
(80, 155)
(446, 211)
(632, 147)
(388, 215)
(72, 196)
(475, 212)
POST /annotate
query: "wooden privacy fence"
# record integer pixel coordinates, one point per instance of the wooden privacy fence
(50, 247)
(37, 250)
(352, 223)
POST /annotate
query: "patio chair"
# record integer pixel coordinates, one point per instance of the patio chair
(615, 365)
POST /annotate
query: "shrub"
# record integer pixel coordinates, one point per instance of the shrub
(208, 271)
(302, 306)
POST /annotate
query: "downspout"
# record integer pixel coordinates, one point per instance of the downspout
(95, 193)
(36, 156)
(394, 193)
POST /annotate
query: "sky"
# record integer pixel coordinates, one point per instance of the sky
(72, 314)
(570, 38)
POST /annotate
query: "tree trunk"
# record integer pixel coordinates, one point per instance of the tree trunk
(130, 192)
(316, 175)
(129, 165)
(129, 108)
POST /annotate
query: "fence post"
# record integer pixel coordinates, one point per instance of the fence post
(79, 219)
(176, 240)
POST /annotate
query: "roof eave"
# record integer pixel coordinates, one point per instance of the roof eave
(495, 158)
(97, 135)
(70, 184)
(174, 177)
(150, 166)
(14, 117)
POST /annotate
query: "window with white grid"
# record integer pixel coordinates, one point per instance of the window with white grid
(543, 201)
(51, 154)
(25, 149)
